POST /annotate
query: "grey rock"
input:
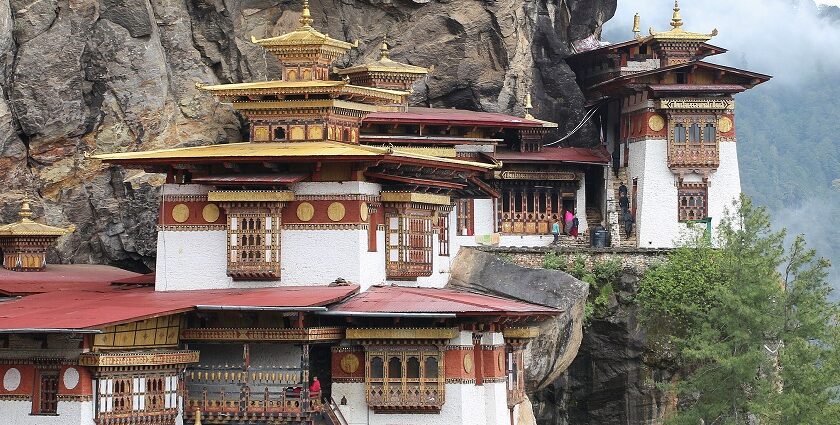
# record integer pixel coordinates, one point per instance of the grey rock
(31, 18)
(547, 356)
(132, 15)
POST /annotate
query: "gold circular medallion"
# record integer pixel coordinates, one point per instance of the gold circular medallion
(656, 122)
(180, 213)
(363, 211)
(210, 213)
(305, 211)
(349, 363)
(725, 124)
(468, 363)
(336, 211)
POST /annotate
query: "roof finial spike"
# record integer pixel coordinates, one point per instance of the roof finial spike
(676, 20)
(305, 17)
(25, 211)
(636, 25)
(383, 49)
(528, 106)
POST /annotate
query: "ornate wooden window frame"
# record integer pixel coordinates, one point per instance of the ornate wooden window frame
(147, 396)
(259, 226)
(687, 196)
(695, 150)
(47, 381)
(401, 391)
(443, 235)
(465, 217)
(409, 238)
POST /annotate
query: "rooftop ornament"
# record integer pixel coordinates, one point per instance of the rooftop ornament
(677, 32)
(25, 242)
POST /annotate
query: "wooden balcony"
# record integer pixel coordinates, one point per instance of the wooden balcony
(405, 396)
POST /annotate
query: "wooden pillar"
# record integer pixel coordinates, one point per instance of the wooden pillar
(304, 377)
(478, 359)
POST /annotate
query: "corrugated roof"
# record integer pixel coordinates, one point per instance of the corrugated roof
(398, 299)
(597, 155)
(60, 277)
(93, 308)
(442, 116)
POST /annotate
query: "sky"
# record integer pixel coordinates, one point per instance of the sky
(783, 38)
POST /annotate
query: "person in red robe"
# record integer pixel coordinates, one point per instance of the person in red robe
(315, 388)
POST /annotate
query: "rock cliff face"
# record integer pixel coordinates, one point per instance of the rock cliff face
(92, 76)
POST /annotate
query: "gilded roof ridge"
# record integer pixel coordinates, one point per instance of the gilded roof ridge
(677, 32)
(25, 226)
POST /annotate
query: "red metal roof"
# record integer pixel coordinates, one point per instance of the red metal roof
(398, 299)
(147, 279)
(442, 116)
(60, 277)
(94, 308)
(694, 88)
(597, 155)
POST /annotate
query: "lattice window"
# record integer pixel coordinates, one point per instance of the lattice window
(253, 245)
(709, 133)
(679, 134)
(408, 239)
(465, 213)
(524, 209)
(47, 393)
(515, 376)
(153, 394)
(443, 234)
(692, 200)
(116, 395)
(405, 379)
(694, 133)
(693, 142)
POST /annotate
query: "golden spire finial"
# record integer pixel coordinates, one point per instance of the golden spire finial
(197, 416)
(305, 17)
(383, 49)
(528, 106)
(25, 211)
(636, 25)
(676, 19)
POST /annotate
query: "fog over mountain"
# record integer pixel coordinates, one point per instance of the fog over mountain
(787, 128)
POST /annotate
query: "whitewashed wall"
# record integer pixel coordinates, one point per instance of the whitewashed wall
(725, 183)
(18, 412)
(657, 223)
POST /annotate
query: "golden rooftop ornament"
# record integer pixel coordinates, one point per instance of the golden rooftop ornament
(677, 32)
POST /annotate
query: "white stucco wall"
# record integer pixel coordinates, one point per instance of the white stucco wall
(464, 405)
(725, 183)
(657, 223)
(580, 205)
(336, 188)
(17, 412)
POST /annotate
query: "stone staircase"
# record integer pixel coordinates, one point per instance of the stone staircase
(623, 242)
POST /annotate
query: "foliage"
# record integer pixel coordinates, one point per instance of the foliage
(602, 277)
(754, 343)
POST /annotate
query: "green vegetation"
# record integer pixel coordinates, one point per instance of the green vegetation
(602, 277)
(753, 342)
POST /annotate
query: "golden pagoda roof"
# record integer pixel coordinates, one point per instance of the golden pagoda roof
(279, 87)
(384, 64)
(305, 35)
(677, 32)
(27, 227)
(278, 150)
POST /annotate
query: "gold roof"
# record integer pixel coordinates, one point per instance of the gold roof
(440, 152)
(305, 35)
(384, 64)
(27, 227)
(677, 32)
(278, 150)
(279, 87)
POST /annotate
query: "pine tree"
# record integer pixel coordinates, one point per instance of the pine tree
(756, 344)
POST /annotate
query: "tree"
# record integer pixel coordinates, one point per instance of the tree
(753, 343)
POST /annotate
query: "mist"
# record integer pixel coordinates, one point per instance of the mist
(795, 41)
(787, 39)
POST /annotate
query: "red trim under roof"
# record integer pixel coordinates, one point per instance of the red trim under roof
(251, 179)
(404, 300)
(441, 116)
(760, 77)
(597, 155)
(89, 308)
(696, 88)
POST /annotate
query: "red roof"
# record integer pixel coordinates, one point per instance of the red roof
(94, 308)
(60, 277)
(597, 155)
(147, 279)
(442, 116)
(403, 300)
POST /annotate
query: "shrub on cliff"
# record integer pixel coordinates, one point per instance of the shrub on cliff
(753, 343)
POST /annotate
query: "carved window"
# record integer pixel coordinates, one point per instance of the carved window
(253, 244)
(679, 134)
(408, 238)
(515, 376)
(47, 393)
(709, 133)
(279, 133)
(465, 213)
(692, 198)
(694, 134)
(409, 379)
(530, 207)
(443, 234)
(117, 396)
